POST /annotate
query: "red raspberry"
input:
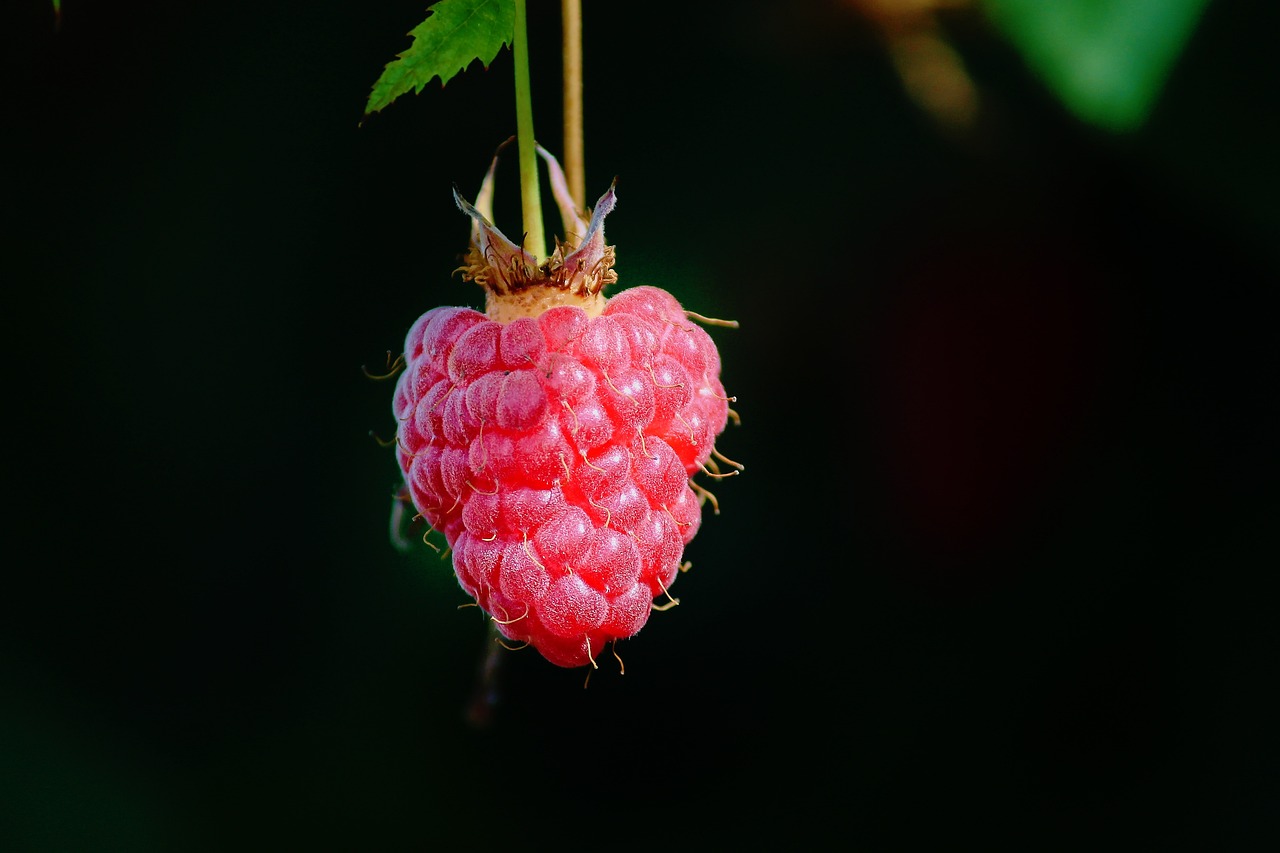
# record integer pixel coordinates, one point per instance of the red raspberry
(552, 438)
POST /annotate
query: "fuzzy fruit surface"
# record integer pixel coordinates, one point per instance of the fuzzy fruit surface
(554, 453)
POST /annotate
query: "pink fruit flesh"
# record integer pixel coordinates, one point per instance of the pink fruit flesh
(559, 531)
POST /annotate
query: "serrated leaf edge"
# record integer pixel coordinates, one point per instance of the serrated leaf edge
(404, 60)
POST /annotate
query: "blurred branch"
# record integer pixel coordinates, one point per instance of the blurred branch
(931, 70)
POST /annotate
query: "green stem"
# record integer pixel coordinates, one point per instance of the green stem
(530, 197)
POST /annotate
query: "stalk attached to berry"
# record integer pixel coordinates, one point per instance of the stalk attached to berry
(553, 439)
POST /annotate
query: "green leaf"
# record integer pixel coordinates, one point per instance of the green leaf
(455, 33)
(1106, 60)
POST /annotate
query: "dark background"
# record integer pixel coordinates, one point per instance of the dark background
(1000, 572)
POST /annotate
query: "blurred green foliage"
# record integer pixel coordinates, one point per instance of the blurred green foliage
(1107, 60)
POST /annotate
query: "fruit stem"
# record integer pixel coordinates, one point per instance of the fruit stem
(574, 167)
(530, 197)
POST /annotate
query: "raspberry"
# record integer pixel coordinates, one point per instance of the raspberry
(552, 438)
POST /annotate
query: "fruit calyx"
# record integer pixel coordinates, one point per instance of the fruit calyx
(518, 285)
